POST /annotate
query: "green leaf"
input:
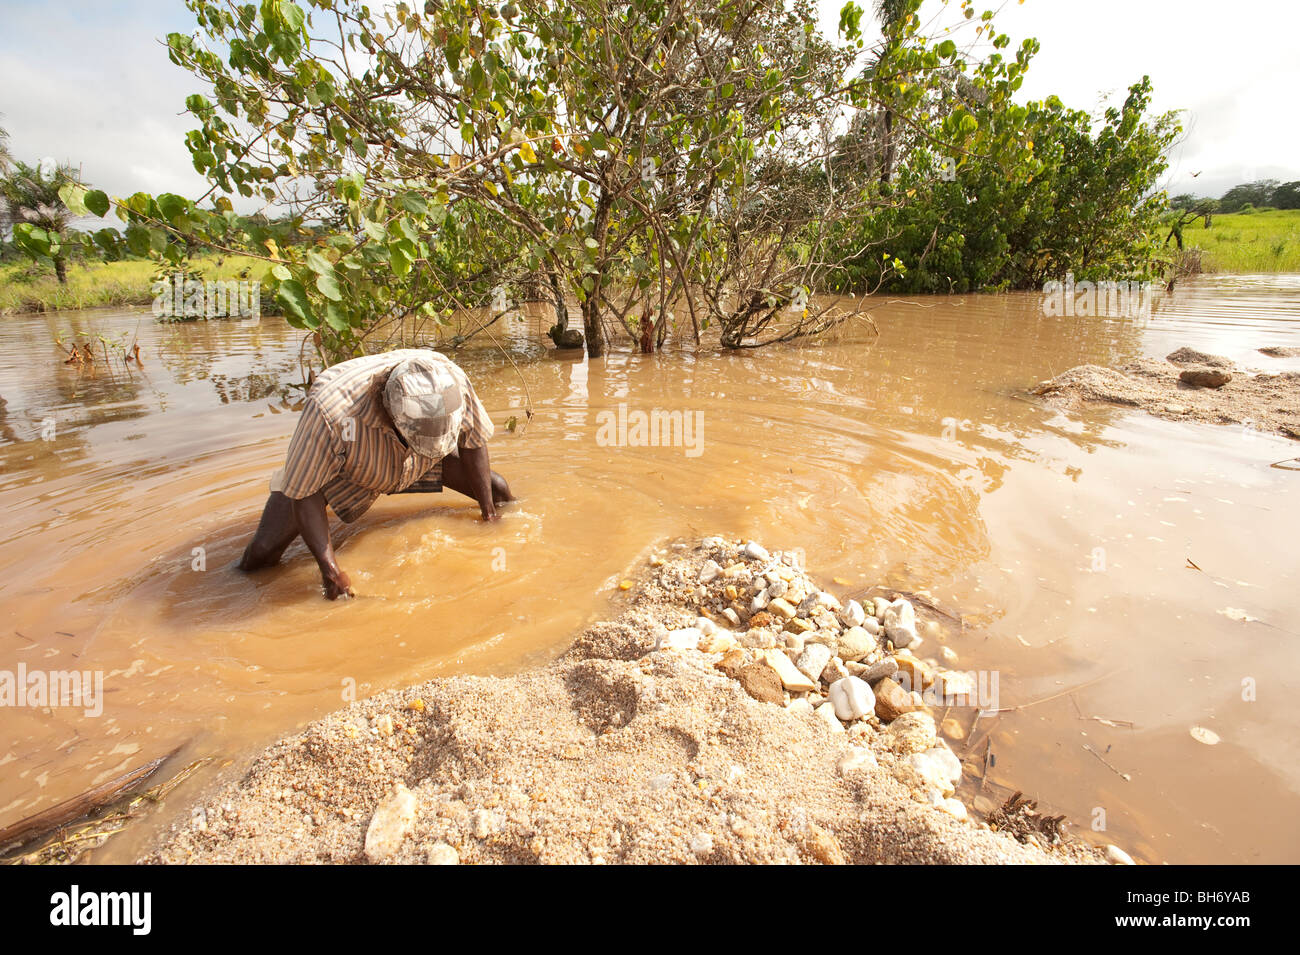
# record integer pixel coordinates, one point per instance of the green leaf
(328, 285)
(297, 307)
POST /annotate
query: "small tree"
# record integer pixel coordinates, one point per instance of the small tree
(38, 214)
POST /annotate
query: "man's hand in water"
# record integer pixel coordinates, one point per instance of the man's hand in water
(336, 582)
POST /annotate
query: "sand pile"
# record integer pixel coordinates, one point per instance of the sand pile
(1187, 386)
(639, 745)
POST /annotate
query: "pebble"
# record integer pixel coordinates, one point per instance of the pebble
(873, 626)
(827, 714)
(856, 759)
(852, 699)
(953, 807)
(813, 660)
(384, 724)
(833, 671)
(706, 626)
(701, 843)
(912, 673)
(855, 643)
(912, 733)
(853, 615)
(900, 623)
(485, 822)
(799, 705)
(892, 701)
(1205, 377)
(791, 678)
(731, 616)
(782, 608)
(777, 588)
(879, 670)
(795, 642)
(759, 602)
(442, 854)
(880, 605)
(688, 638)
(392, 820)
(754, 551)
(709, 571)
(799, 625)
(935, 768)
(1117, 856)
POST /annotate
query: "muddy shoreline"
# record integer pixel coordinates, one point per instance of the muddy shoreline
(658, 737)
(1188, 386)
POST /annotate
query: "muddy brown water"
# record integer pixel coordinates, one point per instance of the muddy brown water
(909, 460)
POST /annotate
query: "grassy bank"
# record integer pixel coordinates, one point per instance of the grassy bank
(25, 287)
(1249, 242)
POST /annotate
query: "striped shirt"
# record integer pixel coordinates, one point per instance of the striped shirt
(346, 445)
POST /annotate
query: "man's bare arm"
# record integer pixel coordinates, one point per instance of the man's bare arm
(313, 524)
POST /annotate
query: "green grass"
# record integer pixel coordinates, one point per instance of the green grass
(1248, 242)
(25, 287)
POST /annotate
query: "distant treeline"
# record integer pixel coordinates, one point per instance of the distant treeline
(1261, 194)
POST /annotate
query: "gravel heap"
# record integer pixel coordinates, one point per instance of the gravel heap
(734, 712)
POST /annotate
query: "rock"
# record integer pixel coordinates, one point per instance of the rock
(799, 705)
(855, 760)
(955, 687)
(880, 605)
(706, 626)
(953, 730)
(384, 725)
(795, 642)
(873, 626)
(485, 822)
(892, 701)
(827, 714)
(730, 615)
(953, 807)
(392, 820)
(879, 670)
(761, 682)
(852, 615)
(701, 843)
(1190, 356)
(913, 674)
(912, 733)
(688, 638)
(798, 625)
(761, 619)
(732, 661)
(759, 602)
(777, 588)
(819, 600)
(852, 699)
(823, 847)
(900, 623)
(709, 571)
(833, 671)
(442, 854)
(1205, 377)
(935, 768)
(854, 644)
(759, 638)
(1117, 856)
(791, 678)
(813, 660)
(716, 643)
(754, 551)
(782, 608)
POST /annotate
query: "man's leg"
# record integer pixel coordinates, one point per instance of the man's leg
(275, 532)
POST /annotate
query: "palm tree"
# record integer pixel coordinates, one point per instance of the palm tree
(28, 196)
(6, 157)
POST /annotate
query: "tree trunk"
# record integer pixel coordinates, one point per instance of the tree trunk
(61, 269)
(591, 328)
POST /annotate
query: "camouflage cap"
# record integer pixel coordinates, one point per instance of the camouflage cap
(426, 399)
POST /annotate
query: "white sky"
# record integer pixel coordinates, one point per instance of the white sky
(89, 82)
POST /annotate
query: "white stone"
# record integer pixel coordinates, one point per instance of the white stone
(900, 623)
(701, 843)
(1117, 856)
(688, 638)
(777, 588)
(912, 733)
(852, 615)
(799, 705)
(759, 602)
(782, 608)
(706, 626)
(443, 854)
(813, 660)
(709, 571)
(855, 643)
(833, 671)
(755, 551)
(872, 626)
(731, 616)
(954, 808)
(852, 698)
(484, 823)
(392, 820)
